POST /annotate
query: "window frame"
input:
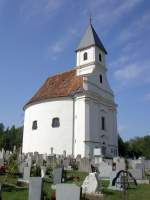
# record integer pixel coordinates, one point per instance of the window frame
(103, 123)
(55, 122)
(101, 78)
(100, 57)
(34, 125)
(85, 56)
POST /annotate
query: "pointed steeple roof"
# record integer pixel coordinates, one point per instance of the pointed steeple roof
(91, 38)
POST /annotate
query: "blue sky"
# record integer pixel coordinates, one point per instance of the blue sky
(38, 39)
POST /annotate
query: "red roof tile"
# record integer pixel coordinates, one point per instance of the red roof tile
(60, 85)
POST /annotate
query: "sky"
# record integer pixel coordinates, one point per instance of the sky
(38, 38)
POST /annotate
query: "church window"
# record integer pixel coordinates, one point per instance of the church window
(55, 122)
(34, 125)
(85, 56)
(103, 123)
(100, 78)
(100, 57)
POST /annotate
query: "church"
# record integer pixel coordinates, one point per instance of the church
(75, 111)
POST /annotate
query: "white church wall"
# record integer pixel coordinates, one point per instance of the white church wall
(103, 89)
(97, 52)
(91, 56)
(45, 136)
(80, 126)
(98, 137)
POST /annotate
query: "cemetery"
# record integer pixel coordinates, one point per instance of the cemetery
(35, 176)
(69, 145)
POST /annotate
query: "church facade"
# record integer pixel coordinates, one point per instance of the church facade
(74, 111)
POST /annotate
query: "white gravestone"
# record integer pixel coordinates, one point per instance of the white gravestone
(43, 171)
(67, 192)
(35, 188)
(91, 184)
(26, 173)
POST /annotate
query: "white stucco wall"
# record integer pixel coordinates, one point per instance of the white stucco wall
(79, 126)
(91, 56)
(96, 136)
(45, 136)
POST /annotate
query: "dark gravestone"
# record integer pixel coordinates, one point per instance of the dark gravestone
(57, 175)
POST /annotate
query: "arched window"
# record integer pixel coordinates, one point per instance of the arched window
(55, 122)
(100, 57)
(103, 123)
(34, 125)
(101, 78)
(85, 56)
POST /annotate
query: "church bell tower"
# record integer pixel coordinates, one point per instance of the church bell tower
(90, 51)
(100, 110)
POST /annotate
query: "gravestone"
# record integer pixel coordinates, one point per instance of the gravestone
(29, 161)
(66, 163)
(40, 160)
(26, 173)
(91, 184)
(67, 192)
(98, 158)
(136, 173)
(1, 155)
(21, 166)
(51, 160)
(147, 164)
(105, 169)
(35, 188)
(1, 161)
(85, 165)
(43, 171)
(78, 158)
(117, 185)
(14, 149)
(57, 176)
(141, 167)
(64, 154)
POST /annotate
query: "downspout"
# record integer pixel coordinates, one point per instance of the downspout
(73, 127)
(72, 95)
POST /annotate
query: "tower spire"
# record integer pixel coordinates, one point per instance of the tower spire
(90, 19)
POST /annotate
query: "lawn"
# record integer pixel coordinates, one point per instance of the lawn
(15, 195)
(142, 192)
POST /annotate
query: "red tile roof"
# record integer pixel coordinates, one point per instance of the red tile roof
(60, 85)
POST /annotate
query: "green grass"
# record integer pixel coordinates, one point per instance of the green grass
(15, 195)
(142, 192)
(8, 179)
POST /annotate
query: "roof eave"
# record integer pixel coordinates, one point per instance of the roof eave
(80, 49)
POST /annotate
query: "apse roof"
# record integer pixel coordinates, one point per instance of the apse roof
(59, 85)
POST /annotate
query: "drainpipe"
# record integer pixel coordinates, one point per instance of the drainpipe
(72, 95)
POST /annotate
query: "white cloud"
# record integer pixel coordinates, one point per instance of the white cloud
(61, 43)
(40, 9)
(129, 72)
(109, 12)
(135, 28)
